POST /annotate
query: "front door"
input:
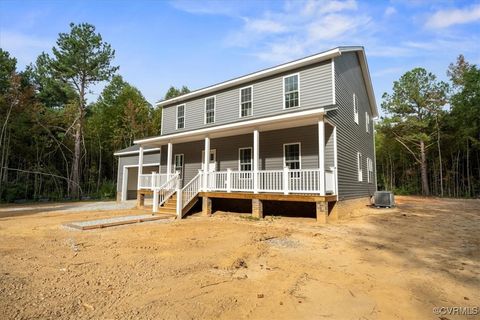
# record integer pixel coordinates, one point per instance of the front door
(212, 166)
(179, 164)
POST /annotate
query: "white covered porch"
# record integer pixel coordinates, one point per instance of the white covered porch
(320, 181)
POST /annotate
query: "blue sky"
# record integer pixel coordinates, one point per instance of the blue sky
(193, 43)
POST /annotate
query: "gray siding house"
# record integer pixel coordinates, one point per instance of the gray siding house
(300, 131)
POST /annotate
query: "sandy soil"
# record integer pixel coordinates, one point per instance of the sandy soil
(382, 264)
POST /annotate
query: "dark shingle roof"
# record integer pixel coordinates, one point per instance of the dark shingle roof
(133, 150)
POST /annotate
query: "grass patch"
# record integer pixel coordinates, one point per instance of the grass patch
(250, 218)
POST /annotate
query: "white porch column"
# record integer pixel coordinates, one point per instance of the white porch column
(256, 158)
(169, 159)
(206, 163)
(321, 154)
(140, 166)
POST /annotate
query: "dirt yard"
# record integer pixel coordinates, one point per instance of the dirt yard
(382, 264)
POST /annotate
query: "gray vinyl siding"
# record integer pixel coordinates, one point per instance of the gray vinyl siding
(271, 147)
(132, 159)
(192, 157)
(271, 150)
(315, 83)
(351, 137)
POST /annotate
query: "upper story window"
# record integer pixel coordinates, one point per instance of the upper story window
(246, 102)
(210, 110)
(181, 116)
(359, 166)
(367, 122)
(355, 108)
(291, 155)
(245, 159)
(291, 91)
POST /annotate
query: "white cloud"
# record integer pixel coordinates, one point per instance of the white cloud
(285, 34)
(449, 17)
(390, 11)
(334, 26)
(264, 26)
(211, 7)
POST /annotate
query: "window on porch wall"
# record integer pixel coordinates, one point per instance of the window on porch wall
(245, 162)
(245, 159)
(292, 155)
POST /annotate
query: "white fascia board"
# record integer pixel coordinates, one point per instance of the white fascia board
(256, 75)
(368, 83)
(231, 126)
(134, 152)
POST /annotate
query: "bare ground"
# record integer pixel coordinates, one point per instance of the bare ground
(382, 264)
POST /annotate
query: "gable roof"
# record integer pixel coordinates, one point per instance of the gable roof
(322, 56)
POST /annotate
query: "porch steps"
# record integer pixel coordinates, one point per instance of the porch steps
(170, 206)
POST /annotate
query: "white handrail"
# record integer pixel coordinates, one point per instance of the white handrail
(191, 189)
(168, 189)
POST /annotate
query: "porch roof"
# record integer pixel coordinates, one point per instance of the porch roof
(283, 121)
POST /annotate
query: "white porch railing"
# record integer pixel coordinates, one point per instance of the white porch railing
(168, 189)
(286, 181)
(191, 189)
(153, 180)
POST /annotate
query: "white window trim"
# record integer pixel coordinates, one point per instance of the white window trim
(299, 154)
(283, 95)
(214, 109)
(367, 122)
(184, 116)
(355, 108)
(359, 167)
(240, 101)
(239, 158)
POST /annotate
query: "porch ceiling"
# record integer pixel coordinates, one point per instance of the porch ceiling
(283, 121)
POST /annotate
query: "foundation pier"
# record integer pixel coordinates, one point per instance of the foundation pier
(322, 211)
(206, 206)
(257, 208)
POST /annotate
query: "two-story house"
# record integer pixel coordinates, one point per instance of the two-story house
(300, 131)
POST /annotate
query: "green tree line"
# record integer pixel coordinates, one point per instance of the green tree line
(428, 142)
(54, 144)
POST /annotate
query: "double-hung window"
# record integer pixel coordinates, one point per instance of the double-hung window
(210, 110)
(355, 108)
(291, 155)
(359, 166)
(181, 116)
(370, 170)
(246, 102)
(291, 91)
(245, 159)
